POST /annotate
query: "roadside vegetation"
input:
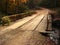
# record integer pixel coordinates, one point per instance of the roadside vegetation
(6, 20)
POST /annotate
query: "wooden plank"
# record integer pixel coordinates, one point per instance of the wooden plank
(43, 25)
(49, 23)
(50, 27)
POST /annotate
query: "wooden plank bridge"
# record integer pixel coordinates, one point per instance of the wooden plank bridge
(25, 31)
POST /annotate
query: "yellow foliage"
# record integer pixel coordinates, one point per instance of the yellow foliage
(24, 1)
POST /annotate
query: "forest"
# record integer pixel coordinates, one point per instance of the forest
(18, 6)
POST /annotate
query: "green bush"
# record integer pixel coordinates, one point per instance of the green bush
(5, 20)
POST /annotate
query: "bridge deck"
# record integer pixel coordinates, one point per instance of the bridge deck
(26, 34)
